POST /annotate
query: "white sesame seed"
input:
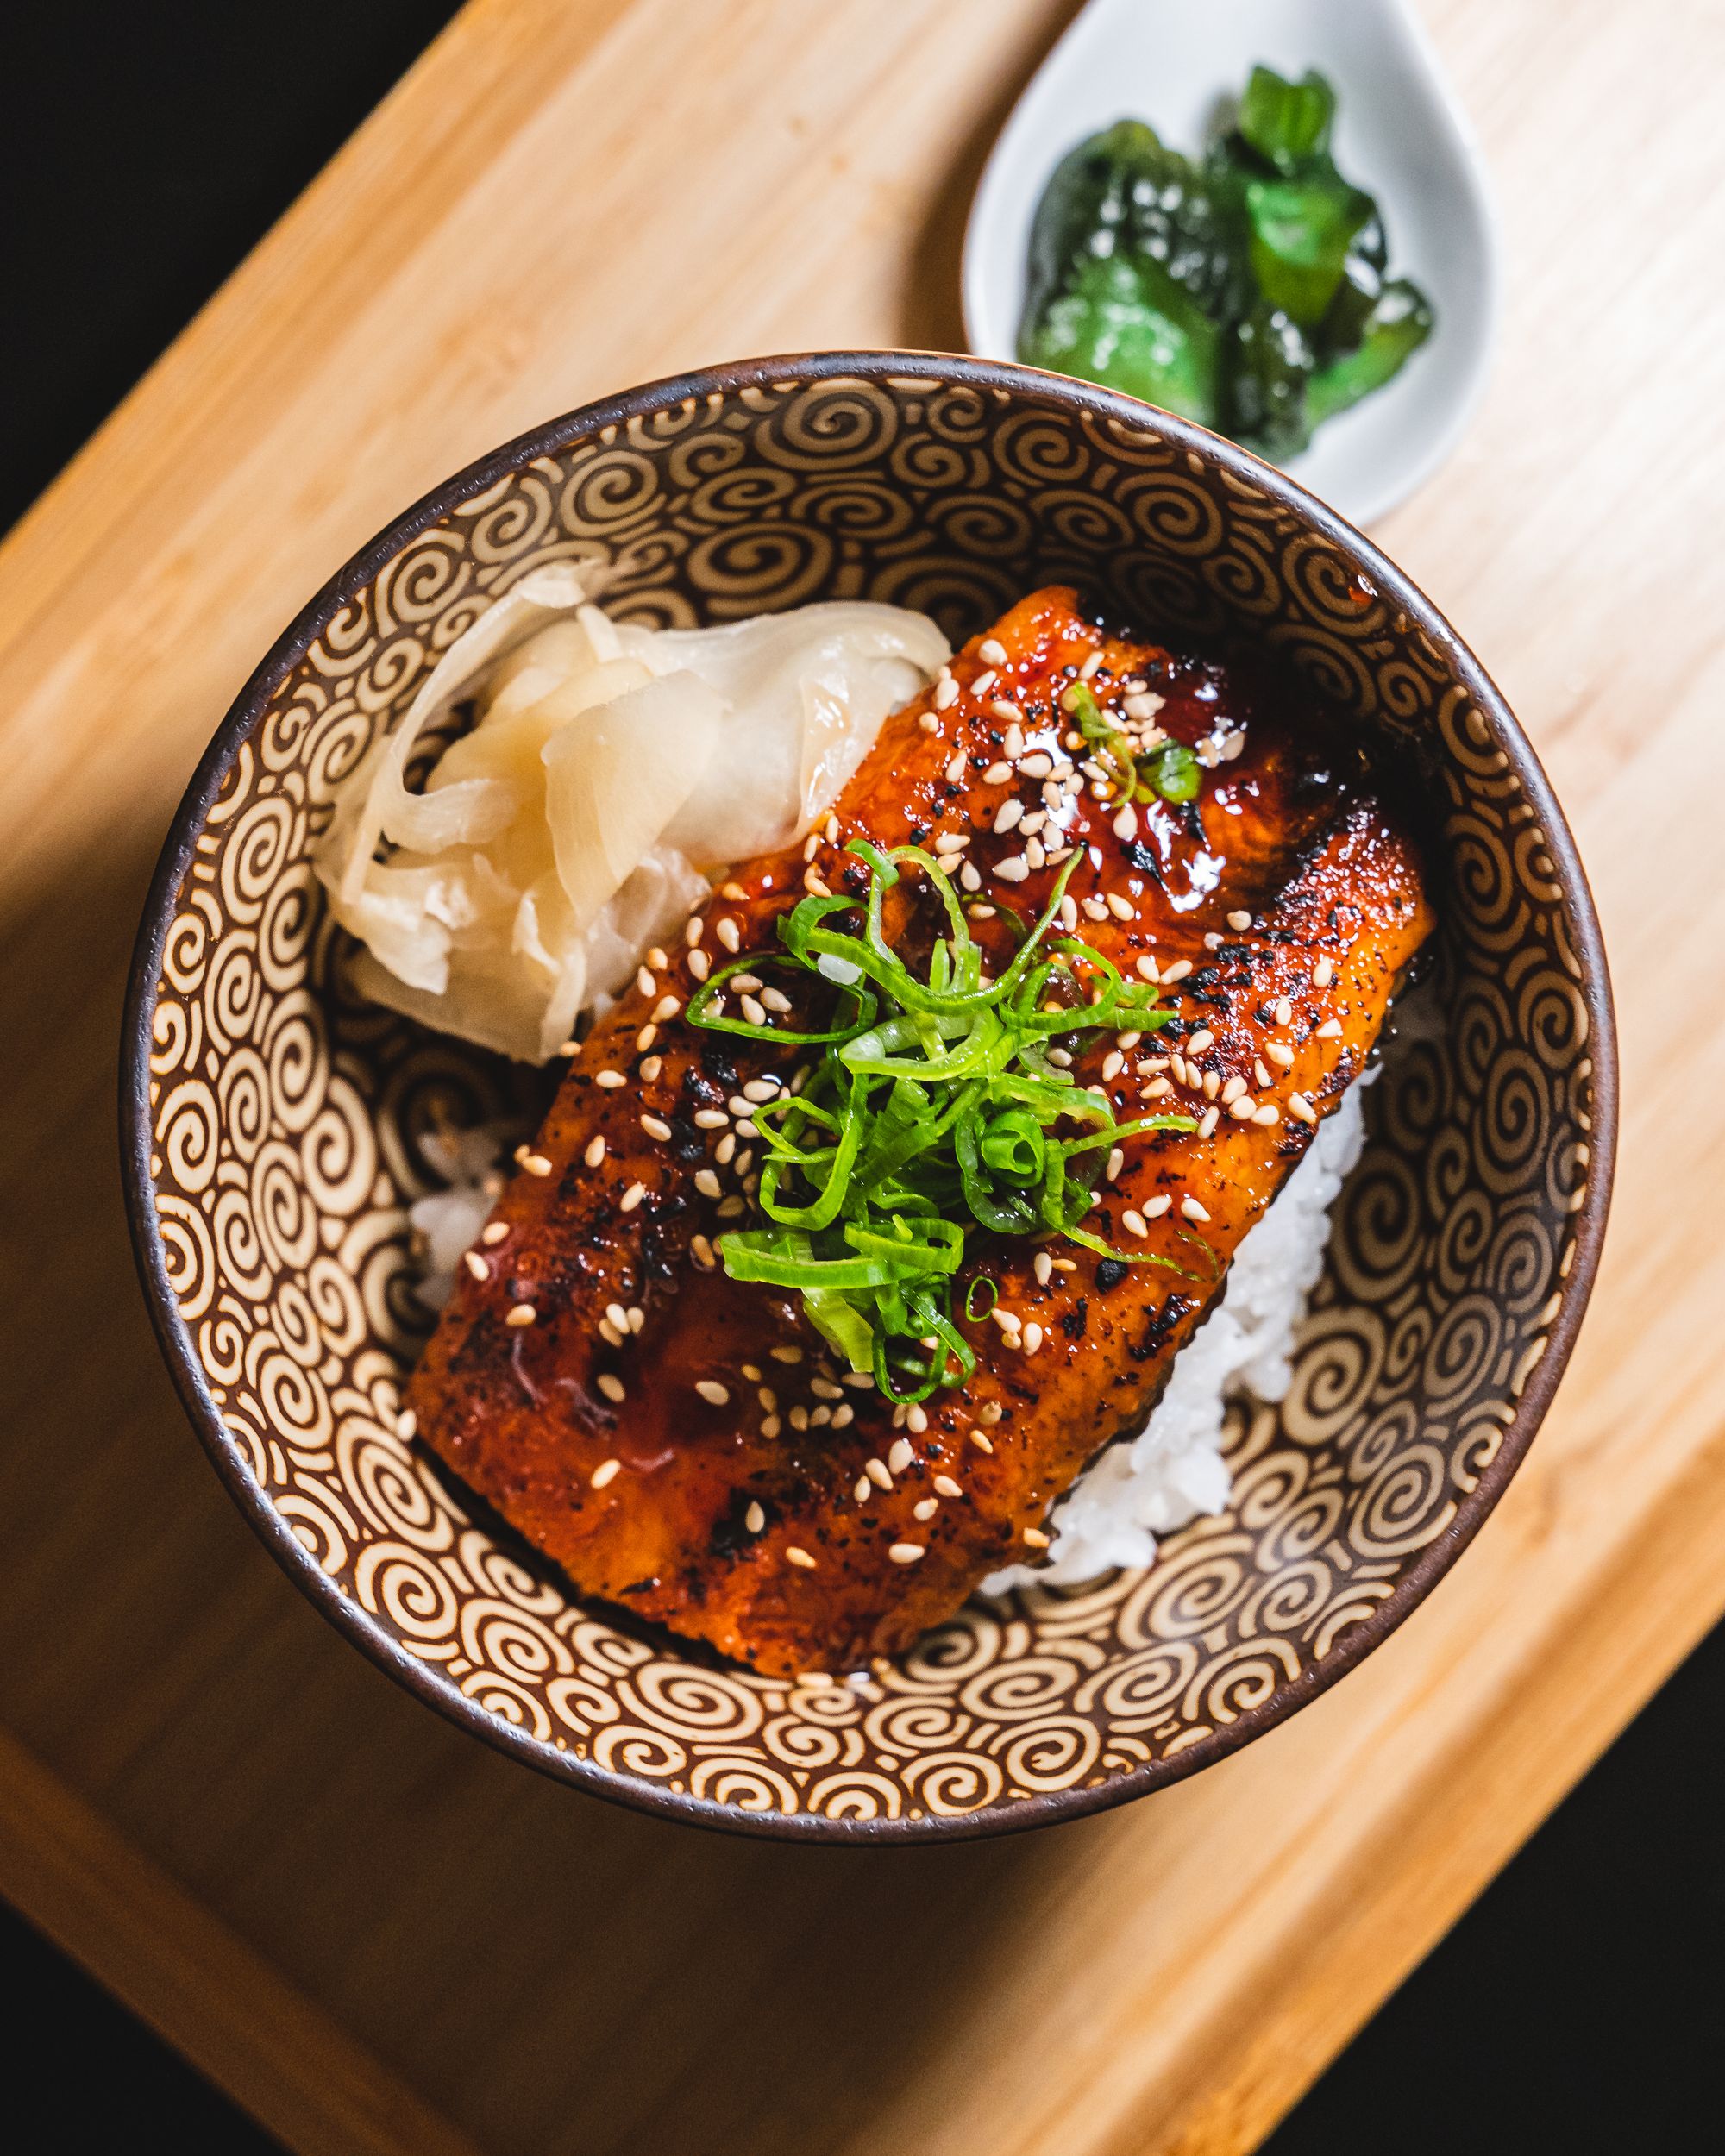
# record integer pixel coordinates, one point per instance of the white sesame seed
(1113, 1064)
(1007, 817)
(955, 770)
(799, 1558)
(609, 1333)
(1042, 1265)
(946, 696)
(1145, 969)
(611, 1080)
(646, 982)
(714, 1393)
(982, 683)
(1121, 908)
(992, 652)
(947, 1486)
(1126, 822)
(1267, 1113)
(925, 1508)
(1156, 1088)
(523, 1314)
(1283, 1013)
(1240, 920)
(903, 1453)
(1279, 1052)
(536, 1164)
(1299, 1105)
(1177, 971)
(477, 1266)
(1260, 1070)
(1036, 1539)
(611, 1386)
(1117, 1160)
(702, 1251)
(1322, 974)
(699, 964)
(753, 1010)
(1232, 1090)
(1331, 1030)
(811, 845)
(1036, 767)
(606, 1471)
(1089, 666)
(569, 1048)
(863, 1490)
(1013, 741)
(692, 929)
(770, 1425)
(1013, 870)
(728, 932)
(1142, 704)
(1243, 1109)
(1193, 1211)
(1207, 1122)
(631, 1197)
(1201, 1040)
(645, 1038)
(971, 878)
(1033, 1337)
(665, 1009)
(754, 1520)
(906, 1552)
(786, 1354)
(1007, 1320)
(494, 1231)
(707, 1183)
(844, 1415)
(656, 1128)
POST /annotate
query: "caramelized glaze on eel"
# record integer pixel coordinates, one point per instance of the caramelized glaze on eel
(731, 1514)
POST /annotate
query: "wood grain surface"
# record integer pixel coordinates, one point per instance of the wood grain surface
(382, 1936)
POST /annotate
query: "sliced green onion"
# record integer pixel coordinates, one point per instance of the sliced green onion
(929, 1113)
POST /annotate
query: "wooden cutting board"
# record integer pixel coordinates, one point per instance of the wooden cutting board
(378, 1934)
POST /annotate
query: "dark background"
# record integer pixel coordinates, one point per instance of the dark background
(145, 148)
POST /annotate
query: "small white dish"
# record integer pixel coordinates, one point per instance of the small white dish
(1400, 134)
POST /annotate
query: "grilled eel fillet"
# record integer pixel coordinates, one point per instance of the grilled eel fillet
(1280, 909)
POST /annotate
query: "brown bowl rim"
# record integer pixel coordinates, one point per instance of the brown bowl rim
(1011, 1816)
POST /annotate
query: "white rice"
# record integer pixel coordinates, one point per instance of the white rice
(448, 1221)
(1148, 1485)
(1141, 1487)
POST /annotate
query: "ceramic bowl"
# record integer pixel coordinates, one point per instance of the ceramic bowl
(272, 1122)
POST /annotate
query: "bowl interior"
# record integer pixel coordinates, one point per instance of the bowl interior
(277, 1121)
